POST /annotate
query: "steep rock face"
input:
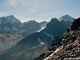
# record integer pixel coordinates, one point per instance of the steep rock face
(34, 44)
(9, 24)
(56, 27)
(75, 25)
(67, 46)
(9, 19)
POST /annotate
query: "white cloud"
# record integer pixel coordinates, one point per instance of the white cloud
(23, 2)
(32, 5)
(10, 3)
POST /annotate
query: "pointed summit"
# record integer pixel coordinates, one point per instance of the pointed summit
(67, 15)
(10, 16)
(66, 18)
(12, 19)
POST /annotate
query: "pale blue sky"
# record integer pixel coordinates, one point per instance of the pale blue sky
(39, 10)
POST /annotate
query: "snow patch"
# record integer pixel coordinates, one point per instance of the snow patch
(41, 29)
(41, 44)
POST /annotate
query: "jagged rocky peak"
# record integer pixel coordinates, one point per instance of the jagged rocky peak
(31, 21)
(67, 46)
(13, 19)
(7, 16)
(66, 18)
(44, 22)
(53, 21)
(10, 19)
(10, 16)
(75, 25)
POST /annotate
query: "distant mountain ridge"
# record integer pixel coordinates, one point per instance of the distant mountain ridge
(11, 25)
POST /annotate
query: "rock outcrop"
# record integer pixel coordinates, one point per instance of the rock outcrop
(65, 47)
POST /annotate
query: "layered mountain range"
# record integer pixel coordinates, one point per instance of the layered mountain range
(34, 44)
(11, 25)
(12, 31)
(67, 47)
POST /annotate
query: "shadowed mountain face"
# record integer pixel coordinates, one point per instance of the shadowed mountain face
(8, 40)
(67, 46)
(34, 44)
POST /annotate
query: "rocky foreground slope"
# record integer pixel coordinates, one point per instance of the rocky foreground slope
(67, 46)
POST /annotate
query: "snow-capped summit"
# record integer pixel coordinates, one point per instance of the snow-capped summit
(9, 19)
(66, 18)
(12, 19)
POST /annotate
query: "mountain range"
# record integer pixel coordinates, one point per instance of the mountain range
(34, 44)
(12, 31)
(11, 25)
(67, 47)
